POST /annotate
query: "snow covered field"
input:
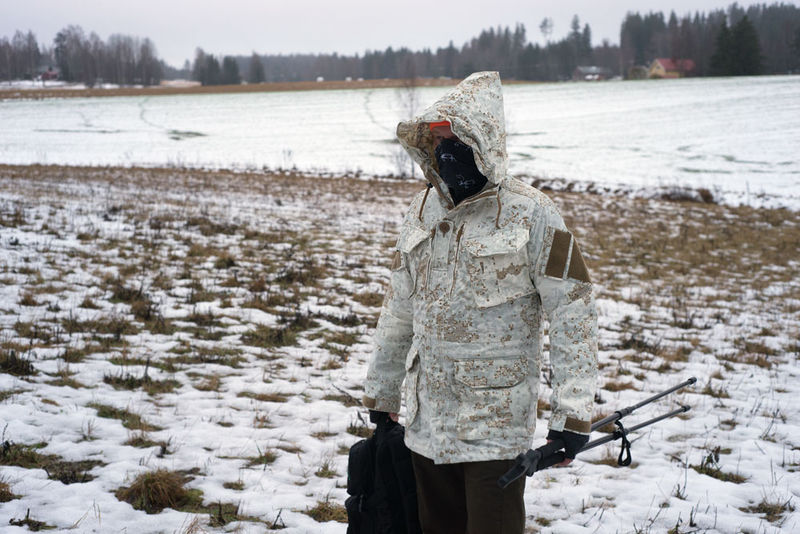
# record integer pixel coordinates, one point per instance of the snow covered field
(736, 137)
(216, 325)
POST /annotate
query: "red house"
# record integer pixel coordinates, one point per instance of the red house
(49, 74)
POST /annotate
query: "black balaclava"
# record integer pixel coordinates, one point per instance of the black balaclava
(458, 169)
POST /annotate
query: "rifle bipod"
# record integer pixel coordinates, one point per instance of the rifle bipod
(551, 454)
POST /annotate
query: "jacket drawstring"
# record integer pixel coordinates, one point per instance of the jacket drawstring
(424, 199)
(497, 219)
(455, 260)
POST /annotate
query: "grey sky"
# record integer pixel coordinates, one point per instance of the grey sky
(344, 26)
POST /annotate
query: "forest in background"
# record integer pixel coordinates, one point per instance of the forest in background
(761, 39)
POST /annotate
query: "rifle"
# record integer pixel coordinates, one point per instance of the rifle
(550, 454)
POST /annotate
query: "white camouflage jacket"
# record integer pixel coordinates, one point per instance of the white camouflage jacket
(461, 322)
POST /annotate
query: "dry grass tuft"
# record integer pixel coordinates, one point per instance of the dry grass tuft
(155, 490)
(5, 491)
(265, 457)
(129, 419)
(264, 397)
(772, 508)
(24, 455)
(326, 511)
(268, 337)
(57, 469)
(710, 466)
(618, 385)
(13, 363)
(32, 524)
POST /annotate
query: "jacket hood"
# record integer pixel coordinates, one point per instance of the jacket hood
(474, 109)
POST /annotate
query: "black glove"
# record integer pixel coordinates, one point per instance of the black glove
(573, 442)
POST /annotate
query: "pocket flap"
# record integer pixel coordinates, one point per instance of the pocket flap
(410, 237)
(504, 242)
(487, 373)
(411, 358)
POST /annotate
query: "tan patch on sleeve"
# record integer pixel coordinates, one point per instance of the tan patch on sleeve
(368, 402)
(576, 425)
(397, 260)
(559, 252)
(577, 267)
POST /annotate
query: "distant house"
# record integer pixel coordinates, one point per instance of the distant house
(670, 68)
(590, 73)
(49, 74)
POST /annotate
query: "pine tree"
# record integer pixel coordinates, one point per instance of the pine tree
(586, 43)
(213, 75)
(746, 50)
(722, 59)
(255, 71)
(796, 50)
(230, 71)
(199, 67)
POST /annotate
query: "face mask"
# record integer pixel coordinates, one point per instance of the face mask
(458, 169)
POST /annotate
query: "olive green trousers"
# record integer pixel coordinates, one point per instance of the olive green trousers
(464, 498)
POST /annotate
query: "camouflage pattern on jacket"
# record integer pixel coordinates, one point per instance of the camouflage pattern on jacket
(462, 320)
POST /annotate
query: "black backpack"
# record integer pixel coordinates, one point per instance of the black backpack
(381, 484)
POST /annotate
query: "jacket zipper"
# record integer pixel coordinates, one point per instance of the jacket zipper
(455, 260)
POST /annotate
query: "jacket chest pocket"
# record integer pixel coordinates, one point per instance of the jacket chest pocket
(414, 246)
(497, 266)
(494, 398)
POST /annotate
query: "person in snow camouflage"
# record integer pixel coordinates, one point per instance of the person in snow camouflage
(480, 262)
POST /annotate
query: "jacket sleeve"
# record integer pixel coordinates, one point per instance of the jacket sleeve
(392, 341)
(562, 280)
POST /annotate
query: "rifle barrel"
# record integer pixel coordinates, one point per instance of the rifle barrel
(616, 435)
(619, 414)
(550, 454)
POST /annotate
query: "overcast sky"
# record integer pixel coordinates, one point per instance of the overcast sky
(177, 27)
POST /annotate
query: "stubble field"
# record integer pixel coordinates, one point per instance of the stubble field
(183, 351)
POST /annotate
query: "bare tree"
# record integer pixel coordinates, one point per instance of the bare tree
(408, 98)
(546, 27)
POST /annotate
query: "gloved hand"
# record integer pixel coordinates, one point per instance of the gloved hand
(573, 442)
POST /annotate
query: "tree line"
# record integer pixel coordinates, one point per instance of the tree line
(766, 39)
(760, 39)
(122, 59)
(504, 49)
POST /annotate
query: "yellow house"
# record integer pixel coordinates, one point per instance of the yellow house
(670, 68)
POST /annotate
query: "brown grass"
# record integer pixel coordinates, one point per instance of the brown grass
(264, 397)
(264, 458)
(618, 385)
(325, 511)
(129, 419)
(5, 491)
(710, 466)
(38, 94)
(773, 509)
(155, 490)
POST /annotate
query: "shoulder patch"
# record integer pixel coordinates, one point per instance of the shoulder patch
(559, 254)
(577, 267)
(565, 259)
